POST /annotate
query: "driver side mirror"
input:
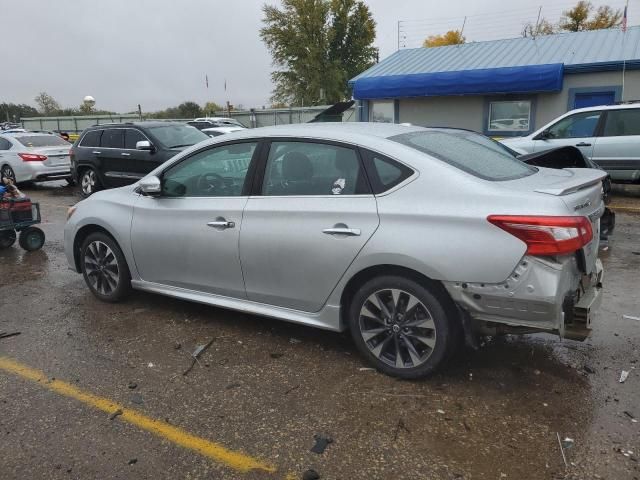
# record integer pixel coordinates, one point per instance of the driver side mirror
(543, 135)
(150, 185)
(144, 145)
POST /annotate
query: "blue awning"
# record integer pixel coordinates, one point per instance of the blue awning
(525, 79)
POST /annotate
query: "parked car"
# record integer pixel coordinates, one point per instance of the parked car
(117, 154)
(406, 236)
(217, 131)
(211, 122)
(33, 157)
(63, 135)
(608, 135)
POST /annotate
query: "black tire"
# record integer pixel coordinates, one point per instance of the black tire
(31, 239)
(89, 182)
(7, 172)
(400, 332)
(70, 181)
(7, 238)
(104, 268)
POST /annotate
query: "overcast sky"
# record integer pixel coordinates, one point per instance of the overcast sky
(157, 52)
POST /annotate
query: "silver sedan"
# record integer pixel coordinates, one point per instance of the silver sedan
(32, 157)
(413, 239)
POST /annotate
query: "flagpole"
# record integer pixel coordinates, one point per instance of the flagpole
(624, 58)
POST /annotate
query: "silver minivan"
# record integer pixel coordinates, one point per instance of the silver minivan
(609, 135)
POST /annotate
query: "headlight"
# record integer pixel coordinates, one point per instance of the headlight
(70, 212)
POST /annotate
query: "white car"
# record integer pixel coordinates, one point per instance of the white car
(608, 134)
(33, 157)
(217, 131)
(212, 122)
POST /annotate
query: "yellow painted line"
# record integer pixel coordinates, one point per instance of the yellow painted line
(622, 208)
(235, 460)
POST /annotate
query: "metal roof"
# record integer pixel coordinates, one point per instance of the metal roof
(593, 50)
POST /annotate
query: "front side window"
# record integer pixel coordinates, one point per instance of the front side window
(301, 168)
(381, 111)
(216, 172)
(509, 116)
(177, 136)
(470, 156)
(91, 139)
(132, 137)
(112, 138)
(580, 125)
(621, 123)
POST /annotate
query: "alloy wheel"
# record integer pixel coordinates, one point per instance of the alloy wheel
(88, 182)
(101, 266)
(397, 328)
(7, 172)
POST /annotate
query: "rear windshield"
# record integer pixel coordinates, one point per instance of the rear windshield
(176, 136)
(42, 141)
(464, 150)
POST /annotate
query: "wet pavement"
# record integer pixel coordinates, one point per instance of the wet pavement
(265, 388)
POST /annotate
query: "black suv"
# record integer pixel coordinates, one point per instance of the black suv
(117, 154)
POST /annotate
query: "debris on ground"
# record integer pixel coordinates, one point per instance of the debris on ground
(400, 426)
(7, 335)
(133, 385)
(567, 442)
(133, 461)
(322, 442)
(440, 411)
(116, 414)
(276, 355)
(137, 399)
(196, 353)
(150, 365)
(310, 474)
(233, 385)
(562, 450)
(623, 376)
(288, 391)
(177, 346)
(589, 369)
(294, 340)
(631, 317)
(630, 415)
(367, 369)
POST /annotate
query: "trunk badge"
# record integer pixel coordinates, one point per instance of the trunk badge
(582, 205)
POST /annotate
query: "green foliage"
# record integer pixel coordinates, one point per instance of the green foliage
(317, 46)
(544, 27)
(184, 110)
(47, 105)
(577, 19)
(13, 111)
(211, 107)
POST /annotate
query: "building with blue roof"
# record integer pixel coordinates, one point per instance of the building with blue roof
(504, 87)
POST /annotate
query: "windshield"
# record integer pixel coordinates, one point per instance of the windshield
(465, 151)
(175, 136)
(42, 141)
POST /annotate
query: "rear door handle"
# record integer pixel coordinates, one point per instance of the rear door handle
(221, 224)
(583, 144)
(96, 152)
(124, 154)
(353, 232)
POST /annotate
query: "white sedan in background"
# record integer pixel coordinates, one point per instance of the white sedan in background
(34, 157)
(217, 131)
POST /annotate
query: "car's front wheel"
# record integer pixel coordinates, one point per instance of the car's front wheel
(401, 326)
(89, 183)
(104, 268)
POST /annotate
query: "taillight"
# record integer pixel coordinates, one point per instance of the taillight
(547, 235)
(32, 157)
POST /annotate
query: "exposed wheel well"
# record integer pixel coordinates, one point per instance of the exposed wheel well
(82, 234)
(367, 274)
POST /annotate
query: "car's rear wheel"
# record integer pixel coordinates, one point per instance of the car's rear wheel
(104, 268)
(7, 172)
(89, 183)
(401, 326)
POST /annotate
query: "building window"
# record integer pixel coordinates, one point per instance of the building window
(509, 116)
(381, 111)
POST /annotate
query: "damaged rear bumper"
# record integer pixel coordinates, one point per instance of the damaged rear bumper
(541, 294)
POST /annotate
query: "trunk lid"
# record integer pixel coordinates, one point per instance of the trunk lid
(581, 190)
(56, 156)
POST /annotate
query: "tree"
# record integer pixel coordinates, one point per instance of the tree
(212, 107)
(189, 110)
(11, 112)
(47, 104)
(577, 19)
(544, 27)
(452, 37)
(317, 46)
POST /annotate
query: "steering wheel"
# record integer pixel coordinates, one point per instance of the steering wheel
(211, 183)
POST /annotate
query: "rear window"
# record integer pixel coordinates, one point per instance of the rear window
(42, 141)
(459, 150)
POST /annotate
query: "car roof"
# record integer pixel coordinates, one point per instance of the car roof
(615, 106)
(142, 124)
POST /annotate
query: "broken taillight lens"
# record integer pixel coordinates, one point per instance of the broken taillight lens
(546, 235)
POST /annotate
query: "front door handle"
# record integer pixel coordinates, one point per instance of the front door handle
(353, 232)
(125, 154)
(583, 144)
(96, 152)
(221, 224)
